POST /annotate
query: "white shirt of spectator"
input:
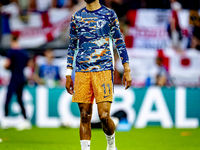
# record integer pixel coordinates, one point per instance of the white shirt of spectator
(176, 6)
(43, 5)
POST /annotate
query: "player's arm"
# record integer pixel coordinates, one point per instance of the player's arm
(7, 63)
(70, 56)
(121, 48)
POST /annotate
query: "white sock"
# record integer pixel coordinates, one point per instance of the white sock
(85, 144)
(110, 142)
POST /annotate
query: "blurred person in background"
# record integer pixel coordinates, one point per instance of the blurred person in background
(195, 39)
(48, 72)
(174, 29)
(162, 76)
(30, 72)
(17, 60)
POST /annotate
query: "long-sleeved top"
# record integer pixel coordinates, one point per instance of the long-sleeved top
(19, 60)
(92, 34)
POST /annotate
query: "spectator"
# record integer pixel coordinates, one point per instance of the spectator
(49, 73)
(32, 78)
(162, 76)
(195, 39)
(174, 29)
(16, 62)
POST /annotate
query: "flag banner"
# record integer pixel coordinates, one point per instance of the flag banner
(40, 28)
(150, 28)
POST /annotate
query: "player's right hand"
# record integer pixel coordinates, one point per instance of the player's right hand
(69, 85)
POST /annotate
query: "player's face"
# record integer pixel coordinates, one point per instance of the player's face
(158, 62)
(89, 1)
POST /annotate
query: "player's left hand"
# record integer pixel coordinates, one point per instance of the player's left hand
(127, 80)
(69, 85)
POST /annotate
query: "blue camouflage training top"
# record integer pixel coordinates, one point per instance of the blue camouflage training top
(91, 36)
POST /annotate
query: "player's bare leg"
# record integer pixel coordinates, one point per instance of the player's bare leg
(104, 115)
(85, 125)
(107, 124)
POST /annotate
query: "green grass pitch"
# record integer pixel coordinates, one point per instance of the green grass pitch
(150, 138)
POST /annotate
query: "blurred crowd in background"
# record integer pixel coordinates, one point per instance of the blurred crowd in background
(117, 5)
(48, 50)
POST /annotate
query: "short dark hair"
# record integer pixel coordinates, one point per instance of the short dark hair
(14, 38)
(159, 58)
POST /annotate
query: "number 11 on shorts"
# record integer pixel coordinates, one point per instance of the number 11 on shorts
(104, 88)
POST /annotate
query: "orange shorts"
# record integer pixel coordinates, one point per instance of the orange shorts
(90, 85)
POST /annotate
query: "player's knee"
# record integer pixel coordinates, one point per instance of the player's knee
(85, 117)
(104, 116)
